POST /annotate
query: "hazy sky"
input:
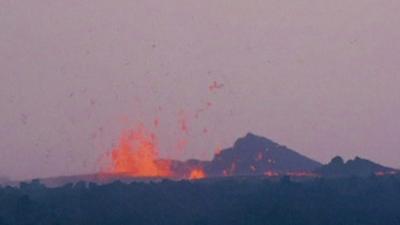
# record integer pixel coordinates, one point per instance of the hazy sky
(321, 77)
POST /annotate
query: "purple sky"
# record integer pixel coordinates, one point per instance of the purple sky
(322, 78)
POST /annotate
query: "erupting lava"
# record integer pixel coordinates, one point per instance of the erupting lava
(197, 174)
(137, 155)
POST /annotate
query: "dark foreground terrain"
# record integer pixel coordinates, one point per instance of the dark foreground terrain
(230, 201)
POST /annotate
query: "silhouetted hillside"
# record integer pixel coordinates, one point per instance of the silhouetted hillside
(356, 167)
(223, 201)
(255, 155)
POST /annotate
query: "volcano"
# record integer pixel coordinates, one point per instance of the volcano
(256, 155)
(251, 155)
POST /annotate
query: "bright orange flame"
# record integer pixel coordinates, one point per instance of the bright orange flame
(137, 155)
(197, 174)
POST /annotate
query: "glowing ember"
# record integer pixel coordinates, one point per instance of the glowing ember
(271, 174)
(197, 174)
(381, 173)
(215, 85)
(137, 155)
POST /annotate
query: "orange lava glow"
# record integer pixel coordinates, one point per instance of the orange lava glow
(197, 174)
(137, 155)
(381, 173)
(271, 174)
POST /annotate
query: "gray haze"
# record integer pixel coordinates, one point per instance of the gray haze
(319, 76)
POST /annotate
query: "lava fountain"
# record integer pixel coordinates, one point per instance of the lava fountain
(137, 155)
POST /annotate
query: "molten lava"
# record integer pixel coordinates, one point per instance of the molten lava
(197, 174)
(137, 155)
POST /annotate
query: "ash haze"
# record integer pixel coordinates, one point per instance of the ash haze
(321, 77)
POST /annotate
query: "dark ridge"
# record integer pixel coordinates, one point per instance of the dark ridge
(357, 167)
